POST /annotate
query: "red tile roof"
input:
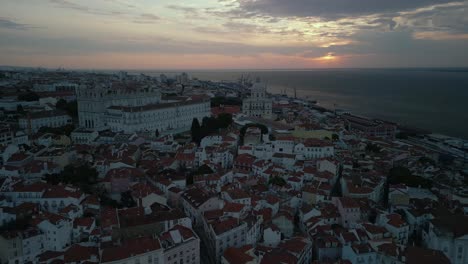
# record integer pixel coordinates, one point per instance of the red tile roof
(78, 254)
(129, 248)
(237, 256)
(233, 207)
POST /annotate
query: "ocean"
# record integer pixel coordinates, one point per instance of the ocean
(430, 99)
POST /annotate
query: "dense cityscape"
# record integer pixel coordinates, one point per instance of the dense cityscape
(112, 167)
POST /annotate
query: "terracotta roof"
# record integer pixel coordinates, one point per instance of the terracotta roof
(196, 196)
(224, 225)
(77, 254)
(295, 245)
(129, 248)
(374, 229)
(396, 220)
(233, 207)
(416, 255)
(456, 224)
(278, 256)
(245, 159)
(237, 255)
(362, 248)
(83, 221)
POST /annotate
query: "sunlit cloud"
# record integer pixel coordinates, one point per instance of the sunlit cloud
(436, 35)
(234, 33)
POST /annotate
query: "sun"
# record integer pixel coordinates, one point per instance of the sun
(329, 57)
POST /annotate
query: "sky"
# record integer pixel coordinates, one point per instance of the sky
(233, 34)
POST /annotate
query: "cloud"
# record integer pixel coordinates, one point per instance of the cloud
(191, 12)
(146, 18)
(331, 9)
(65, 46)
(149, 16)
(9, 24)
(66, 4)
(437, 35)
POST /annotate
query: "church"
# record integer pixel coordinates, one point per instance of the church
(258, 104)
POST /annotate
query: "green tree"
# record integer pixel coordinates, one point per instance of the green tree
(224, 120)
(20, 109)
(70, 107)
(61, 104)
(373, 148)
(28, 96)
(195, 131)
(82, 176)
(335, 137)
(204, 169)
(220, 100)
(263, 129)
(63, 130)
(126, 199)
(400, 174)
(277, 181)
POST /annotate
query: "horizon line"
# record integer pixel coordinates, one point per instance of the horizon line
(235, 69)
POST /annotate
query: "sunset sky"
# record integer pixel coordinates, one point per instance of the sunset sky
(233, 34)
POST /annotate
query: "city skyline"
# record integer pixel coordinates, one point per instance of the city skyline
(233, 34)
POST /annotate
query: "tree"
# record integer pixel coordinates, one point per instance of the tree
(204, 169)
(426, 160)
(335, 137)
(63, 130)
(20, 109)
(220, 100)
(61, 104)
(263, 129)
(28, 96)
(277, 181)
(403, 175)
(70, 107)
(82, 176)
(224, 120)
(195, 131)
(126, 199)
(373, 148)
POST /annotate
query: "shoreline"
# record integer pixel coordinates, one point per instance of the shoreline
(401, 127)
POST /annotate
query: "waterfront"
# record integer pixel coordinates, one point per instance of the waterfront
(430, 99)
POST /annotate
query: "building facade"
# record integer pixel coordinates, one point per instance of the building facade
(258, 104)
(135, 109)
(34, 121)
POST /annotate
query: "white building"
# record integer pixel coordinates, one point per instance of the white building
(143, 250)
(35, 120)
(196, 201)
(51, 198)
(395, 224)
(271, 236)
(314, 149)
(131, 109)
(53, 87)
(181, 245)
(21, 246)
(225, 233)
(449, 234)
(83, 136)
(58, 230)
(258, 104)
(359, 253)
